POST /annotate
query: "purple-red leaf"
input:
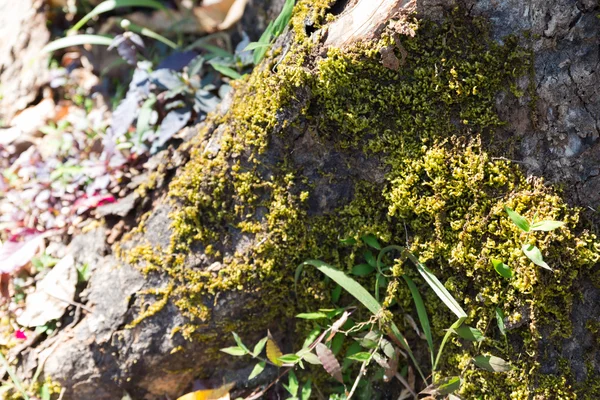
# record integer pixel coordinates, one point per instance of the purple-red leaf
(330, 363)
(14, 253)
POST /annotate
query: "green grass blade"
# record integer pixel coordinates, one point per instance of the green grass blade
(359, 293)
(153, 35)
(16, 381)
(283, 18)
(430, 278)
(76, 40)
(438, 288)
(109, 5)
(350, 285)
(449, 332)
(422, 313)
(517, 219)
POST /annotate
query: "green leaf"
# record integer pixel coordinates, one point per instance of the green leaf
(255, 45)
(362, 295)
(234, 351)
(283, 18)
(422, 313)
(372, 241)
(257, 370)
(361, 356)
(239, 343)
(292, 386)
(348, 241)
(45, 392)
(337, 342)
(468, 333)
(83, 273)
(437, 286)
(369, 341)
(362, 269)
(289, 358)
(492, 363)
(336, 293)
(501, 268)
(76, 40)
(546, 226)
(109, 5)
(370, 258)
(535, 255)
(265, 38)
(517, 219)
(500, 321)
(152, 35)
(258, 348)
(311, 358)
(143, 119)
(449, 385)
(306, 391)
(314, 315)
(227, 71)
(312, 336)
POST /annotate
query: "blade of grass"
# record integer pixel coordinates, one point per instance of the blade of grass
(16, 381)
(422, 313)
(153, 35)
(110, 5)
(77, 40)
(449, 332)
(359, 293)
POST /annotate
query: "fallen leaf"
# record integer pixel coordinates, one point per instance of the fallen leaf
(53, 294)
(221, 393)
(30, 120)
(86, 203)
(234, 14)
(14, 253)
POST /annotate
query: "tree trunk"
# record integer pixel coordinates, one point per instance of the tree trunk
(367, 122)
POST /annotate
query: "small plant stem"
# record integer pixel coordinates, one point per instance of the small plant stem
(262, 392)
(13, 377)
(457, 324)
(363, 369)
(405, 383)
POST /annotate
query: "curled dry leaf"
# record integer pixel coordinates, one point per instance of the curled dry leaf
(337, 325)
(330, 363)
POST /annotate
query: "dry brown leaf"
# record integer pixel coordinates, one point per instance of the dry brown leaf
(235, 13)
(30, 120)
(53, 294)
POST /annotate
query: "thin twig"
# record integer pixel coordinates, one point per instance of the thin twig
(405, 383)
(73, 303)
(262, 392)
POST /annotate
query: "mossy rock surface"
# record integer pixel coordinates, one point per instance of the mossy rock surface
(400, 138)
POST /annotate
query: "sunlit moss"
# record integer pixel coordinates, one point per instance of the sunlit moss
(442, 193)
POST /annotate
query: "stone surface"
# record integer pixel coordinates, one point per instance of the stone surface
(22, 65)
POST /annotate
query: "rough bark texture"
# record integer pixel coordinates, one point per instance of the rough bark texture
(100, 357)
(22, 66)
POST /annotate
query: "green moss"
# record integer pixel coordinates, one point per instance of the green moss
(443, 193)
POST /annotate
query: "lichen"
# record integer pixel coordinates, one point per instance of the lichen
(443, 193)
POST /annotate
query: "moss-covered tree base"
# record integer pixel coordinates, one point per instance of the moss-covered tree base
(395, 138)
